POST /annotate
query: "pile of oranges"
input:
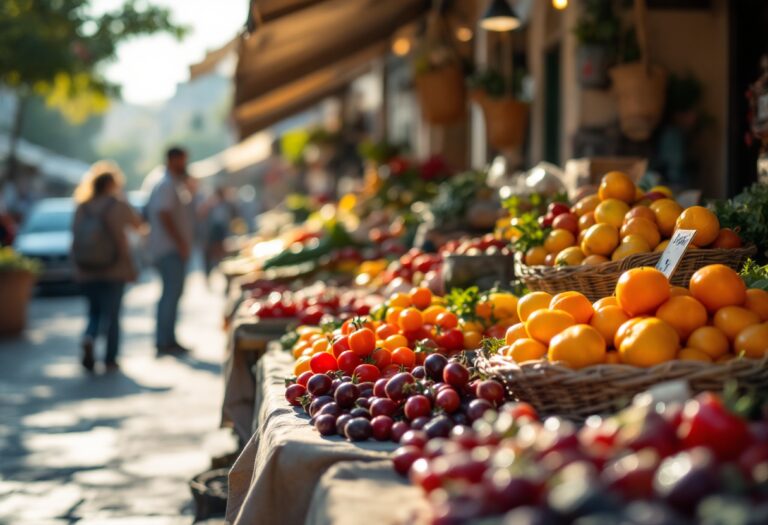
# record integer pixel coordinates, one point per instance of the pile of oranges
(619, 221)
(645, 323)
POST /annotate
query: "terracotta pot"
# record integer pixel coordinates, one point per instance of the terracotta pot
(506, 120)
(16, 290)
(641, 95)
(442, 95)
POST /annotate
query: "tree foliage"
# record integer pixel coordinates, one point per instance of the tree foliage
(53, 48)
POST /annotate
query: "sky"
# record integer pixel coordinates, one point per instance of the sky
(148, 68)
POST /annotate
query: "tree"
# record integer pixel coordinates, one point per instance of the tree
(53, 48)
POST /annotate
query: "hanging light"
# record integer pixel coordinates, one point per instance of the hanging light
(500, 17)
(401, 46)
(464, 34)
(559, 4)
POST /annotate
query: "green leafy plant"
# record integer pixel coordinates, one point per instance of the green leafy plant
(754, 275)
(493, 83)
(462, 301)
(598, 24)
(11, 261)
(747, 214)
(456, 195)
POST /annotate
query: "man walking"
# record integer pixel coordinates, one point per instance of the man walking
(170, 212)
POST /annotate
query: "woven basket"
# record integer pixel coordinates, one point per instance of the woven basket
(599, 281)
(554, 389)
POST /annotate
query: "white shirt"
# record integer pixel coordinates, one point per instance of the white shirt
(173, 196)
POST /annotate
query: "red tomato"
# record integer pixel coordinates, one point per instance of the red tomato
(706, 422)
(349, 361)
(385, 330)
(380, 358)
(451, 340)
(390, 370)
(496, 331)
(404, 356)
(340, 345)
(366, 373)
(362, 341)
(323, 362)
(311, 315)
(447, 320)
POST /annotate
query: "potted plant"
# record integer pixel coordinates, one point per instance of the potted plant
(504, 110)
(439, 76)
(597, 30)
(17, 277)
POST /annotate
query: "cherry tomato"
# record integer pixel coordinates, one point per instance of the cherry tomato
(303, 378)
(452, 340)
(381, 358)
(390, 370)
(385, 330)
(340, 345)
(496, 331)
(311, 315)
(421, 297)
(417, 406)
(456, 375)
(410, 320)
(362, 341)
(293, 393)
(448, 400)
(367, 373)
(447, 320)
(404, 356)
(706, 422)
(323, 362)
(349, 361)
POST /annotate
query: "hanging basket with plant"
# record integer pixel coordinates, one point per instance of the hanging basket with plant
(597, 31)
(505, 113)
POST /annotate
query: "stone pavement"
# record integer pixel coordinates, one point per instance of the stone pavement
(109, 449)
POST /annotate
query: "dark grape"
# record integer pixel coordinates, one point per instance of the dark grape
(383, 407)
(398, 429)
(341, 423)
(439, 426)
(319, 384)
(293, 393)
(358, 429)
(326, 424)
(360, 412)
(346, 394)
(434, 365)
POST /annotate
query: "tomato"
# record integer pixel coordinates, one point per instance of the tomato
(521, 410)
(293, 394)
(490, 390)
(390, 370)
(405, 457)
(706, 422)
(448, 400)
(496, 331)
(385, 330)
(380, 358)
(323, 362)
(456, 375)
(404, 356)
(340, 345)
(417, 406)
(311, 315)
(452, 340)
(349, 361)
(395, 341)
(399, 386)
(410, 320)
(362, 341)
(366, 373)
(421, 297)
(303, 378)
(447, 320)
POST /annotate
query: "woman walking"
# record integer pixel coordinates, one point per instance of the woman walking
(102, 256)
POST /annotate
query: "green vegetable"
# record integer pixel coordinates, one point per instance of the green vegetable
(335, 237)
(754, 275)
(456, 195)
(747, 214)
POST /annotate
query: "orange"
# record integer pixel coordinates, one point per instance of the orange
(605, 301)
(611, 211)
(558, 239)
(692, 354)
(757, 301)
(623, 330)
(753, 341)
(535, 256)
(710, 340)
(640, 211)
(683, 313)
(531, 302)
(421, 297)
(727, 238)
(702, 220)
(667, 211)
(675, 291)
(595, 259)
(641, 290)
(661, 246)
(395, 341)
(400, 299)
(617, 185)
(587, 220)
(515, 332)
(716, 286)
(649, 342)
(612, 358)
(544, 324)
(526, 350)
(733, 319)
(607, 321)
(504, 305)
(578, 346)
(631, 245)
(643, 227)
(586, 205)
(431, 313)
(571, 256)
(664, 190)
(600, 239)
(575, 304)
(301, 365)
(472, 340)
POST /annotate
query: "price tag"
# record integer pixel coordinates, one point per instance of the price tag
(674, 251)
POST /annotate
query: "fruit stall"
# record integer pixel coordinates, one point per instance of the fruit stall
(613, 368)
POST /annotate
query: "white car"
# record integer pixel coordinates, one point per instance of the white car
(46, 235)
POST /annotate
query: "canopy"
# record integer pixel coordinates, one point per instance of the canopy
(250, 152)
(48, 163)
(293, 61)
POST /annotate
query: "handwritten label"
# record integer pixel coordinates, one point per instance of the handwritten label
(674, 251)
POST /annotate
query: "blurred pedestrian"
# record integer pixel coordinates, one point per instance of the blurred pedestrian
(102, 256)
(217, 214)
(172, 220)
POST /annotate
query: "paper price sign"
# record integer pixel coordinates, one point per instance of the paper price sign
(674, 251)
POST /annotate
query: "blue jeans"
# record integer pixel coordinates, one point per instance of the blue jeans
(104, 301)
(173, 271)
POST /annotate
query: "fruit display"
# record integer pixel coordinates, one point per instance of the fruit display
(656, 462)
(310, 303)
(645, 323)
(618, 221)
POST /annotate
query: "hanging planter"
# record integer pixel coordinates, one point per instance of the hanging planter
(441, 95)
(593, 62)
(17, 278)
(640, 88)
(506, 120)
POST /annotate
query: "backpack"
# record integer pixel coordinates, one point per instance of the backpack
(93, 247)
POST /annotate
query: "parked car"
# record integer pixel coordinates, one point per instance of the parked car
(46, 235)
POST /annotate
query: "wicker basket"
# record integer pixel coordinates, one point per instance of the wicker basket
(599, 281)
(554, 389)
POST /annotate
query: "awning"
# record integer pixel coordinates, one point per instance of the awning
(250, 152)
(292, 62)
